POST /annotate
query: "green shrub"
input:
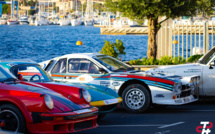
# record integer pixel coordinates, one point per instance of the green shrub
(194, 58)
(113, 49)
(165, 60)
(108, 49)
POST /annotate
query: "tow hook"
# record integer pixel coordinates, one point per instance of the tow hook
(2, 123)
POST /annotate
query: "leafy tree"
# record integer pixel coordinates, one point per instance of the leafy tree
(84, 7)
(99, 7)
(31, 12)
(31, 3)
(153, 9)
(5, 9)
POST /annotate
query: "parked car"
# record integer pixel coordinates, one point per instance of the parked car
(204, 67)
(103, 98)
(138, 89)
(33, 108)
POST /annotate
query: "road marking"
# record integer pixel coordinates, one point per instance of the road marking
(138, 125)
(164, 132)
(170, 125)
(190, 110)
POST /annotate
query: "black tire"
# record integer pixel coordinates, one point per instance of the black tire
(13, 118)
(136, 98)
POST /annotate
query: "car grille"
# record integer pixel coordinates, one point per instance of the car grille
(83, 125)
(185, 93)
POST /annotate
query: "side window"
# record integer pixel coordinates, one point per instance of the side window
(29, 73)
(81, 66)
(60, 67)
(93, 69)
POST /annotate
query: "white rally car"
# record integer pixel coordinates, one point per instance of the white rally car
(138, 89)
(204, 68)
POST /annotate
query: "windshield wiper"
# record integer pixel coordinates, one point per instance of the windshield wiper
(130, 68)
(10, 79)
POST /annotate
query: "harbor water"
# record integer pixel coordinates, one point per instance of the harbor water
(46, 42)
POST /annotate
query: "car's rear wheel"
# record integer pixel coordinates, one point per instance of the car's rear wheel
(136, 98)
(12, 119)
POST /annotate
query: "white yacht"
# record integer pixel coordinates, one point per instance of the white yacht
(23, 20)
(3, 21)
(64, 22)
(76, 22)
(88, 23)
(12, 21)
(40, 22)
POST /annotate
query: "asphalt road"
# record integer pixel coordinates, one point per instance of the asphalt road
(170, 120)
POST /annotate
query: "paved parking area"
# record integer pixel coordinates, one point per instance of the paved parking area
(170, 120)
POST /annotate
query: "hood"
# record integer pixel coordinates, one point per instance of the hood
(183, 69)
(97, 92)
(177, 66)
(60, 102)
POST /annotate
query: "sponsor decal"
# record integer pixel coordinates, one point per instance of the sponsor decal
(193, 71)
(82, 111)
(11, 64)
(81, 79)
(205, 127)
(111, 101)
(105, 83)
(170, 71)
(118, 75)
(115, 83)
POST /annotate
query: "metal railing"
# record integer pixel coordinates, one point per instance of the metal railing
(188, 38)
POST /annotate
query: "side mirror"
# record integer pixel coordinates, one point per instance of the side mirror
(20, 77)
(102, 70)
(211, 65)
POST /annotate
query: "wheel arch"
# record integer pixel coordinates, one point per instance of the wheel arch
(133, 81)
(17, 103)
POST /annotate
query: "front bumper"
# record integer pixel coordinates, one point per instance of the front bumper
(178, 101)
(106, 106)
(65, 122)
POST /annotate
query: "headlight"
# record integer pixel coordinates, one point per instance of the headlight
(195, 81)
(49, 102)
(191, 82)
(177, 87)
(198, 79)
(86, 95)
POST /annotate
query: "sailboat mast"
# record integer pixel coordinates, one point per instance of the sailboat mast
(11, 9)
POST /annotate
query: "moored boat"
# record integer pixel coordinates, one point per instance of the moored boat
(12, 22)
(3, 21)
(23, 20)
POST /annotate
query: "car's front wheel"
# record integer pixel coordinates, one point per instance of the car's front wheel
(12, 119)
(136, 98)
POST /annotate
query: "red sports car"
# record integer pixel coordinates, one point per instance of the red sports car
(37, 109)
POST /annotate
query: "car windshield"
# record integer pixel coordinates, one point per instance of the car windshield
(6, 75)
(112, 64)
(32, 73)
(207, 57)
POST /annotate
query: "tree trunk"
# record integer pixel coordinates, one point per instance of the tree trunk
(152, 32)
